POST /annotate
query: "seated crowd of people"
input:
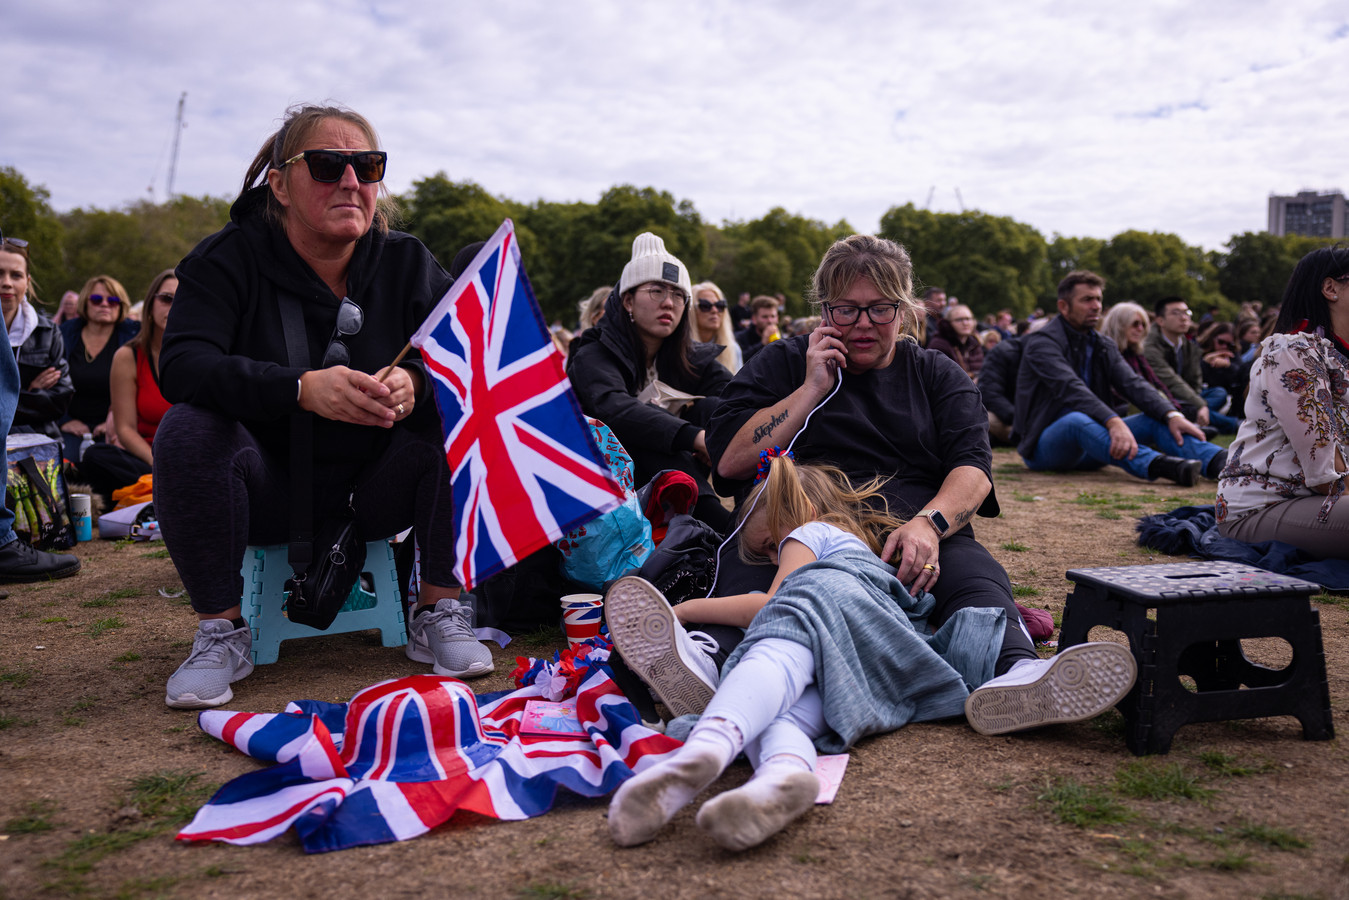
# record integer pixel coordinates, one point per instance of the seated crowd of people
(848, 453)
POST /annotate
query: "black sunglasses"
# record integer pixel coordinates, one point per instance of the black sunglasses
(327, 166)
(709, 305)
(349, 322)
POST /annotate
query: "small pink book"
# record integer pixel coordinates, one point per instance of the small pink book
(554, 719)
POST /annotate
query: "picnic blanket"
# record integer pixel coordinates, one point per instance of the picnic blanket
(404, 755)
(1194, 530)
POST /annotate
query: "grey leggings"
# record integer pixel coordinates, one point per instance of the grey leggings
(1295, 522)
(217, 491)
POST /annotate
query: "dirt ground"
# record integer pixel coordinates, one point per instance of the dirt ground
(96, 772)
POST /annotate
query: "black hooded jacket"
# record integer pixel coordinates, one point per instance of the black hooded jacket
(607, 371)
(225, 349)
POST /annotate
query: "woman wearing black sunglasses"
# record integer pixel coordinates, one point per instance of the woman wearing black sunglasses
(91, 338)
(308, 244)
(714, 324)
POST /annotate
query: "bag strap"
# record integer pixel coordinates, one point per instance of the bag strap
(301, 549)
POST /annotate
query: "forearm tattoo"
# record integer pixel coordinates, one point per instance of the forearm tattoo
(963, 518)
(768, 427)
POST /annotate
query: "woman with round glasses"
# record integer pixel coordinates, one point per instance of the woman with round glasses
(91, 338)
(714, 324)
(640, 372)
(138, 404)
(1285, 479)
(308, 259)
(44, 379)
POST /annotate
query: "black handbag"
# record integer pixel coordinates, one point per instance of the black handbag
(317, 595)
(322, 581)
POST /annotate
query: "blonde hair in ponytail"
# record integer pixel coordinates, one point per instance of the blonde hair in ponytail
(793, 495)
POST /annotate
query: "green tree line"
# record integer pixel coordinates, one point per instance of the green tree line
(990, 262)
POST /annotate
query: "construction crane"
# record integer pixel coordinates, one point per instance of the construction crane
(177, 133)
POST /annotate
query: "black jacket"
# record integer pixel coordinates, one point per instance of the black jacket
(997, 379)
(38, 411)
(606, 374)
(1048, 385)
(225, 349)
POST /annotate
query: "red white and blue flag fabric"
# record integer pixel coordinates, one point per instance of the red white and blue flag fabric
(404, 755)
(523, 466)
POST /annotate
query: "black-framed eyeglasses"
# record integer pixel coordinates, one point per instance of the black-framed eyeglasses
(327, 166)
(709, 305)
(878, 313)
(350, 318)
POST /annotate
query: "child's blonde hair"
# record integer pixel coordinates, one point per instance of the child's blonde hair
(793, 495)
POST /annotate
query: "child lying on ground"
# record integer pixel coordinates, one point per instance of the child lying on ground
(836, 650)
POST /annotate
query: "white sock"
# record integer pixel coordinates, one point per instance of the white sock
(643, 804)
(783, 788)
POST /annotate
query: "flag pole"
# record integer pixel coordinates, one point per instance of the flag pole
(396, 360)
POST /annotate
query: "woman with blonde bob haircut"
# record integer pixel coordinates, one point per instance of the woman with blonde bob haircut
(91, 338)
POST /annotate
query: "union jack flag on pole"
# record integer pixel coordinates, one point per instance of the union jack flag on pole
(523, 465)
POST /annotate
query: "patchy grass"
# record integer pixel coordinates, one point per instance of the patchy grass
(103, 626)
(1271, 836)
(1091, 498)
(1025, 590)
(1227, 766)
(99, 603)
(543, 639)
(1328, 599)
(1107, 514)
(129, 656)
(54, 620)
(161, 553)
(1146, 780)
(1015, 546)
(1083, 805)
(174, 796)
(1023, 498)
(36, 820)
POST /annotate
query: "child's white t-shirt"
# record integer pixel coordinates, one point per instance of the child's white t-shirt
(824, 539)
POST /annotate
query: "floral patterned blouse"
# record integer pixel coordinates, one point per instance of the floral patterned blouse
(1297, 417)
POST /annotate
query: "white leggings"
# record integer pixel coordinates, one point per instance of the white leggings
(770, 696)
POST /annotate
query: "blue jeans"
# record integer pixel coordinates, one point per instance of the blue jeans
(1077, 441)
(9, 403)
(1156, 435)
(1215, 398)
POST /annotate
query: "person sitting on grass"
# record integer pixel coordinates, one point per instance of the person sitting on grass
(833, 653)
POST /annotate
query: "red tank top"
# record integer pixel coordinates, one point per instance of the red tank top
(150, 403)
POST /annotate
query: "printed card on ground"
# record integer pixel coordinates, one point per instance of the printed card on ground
(544, 717)
(830, 769)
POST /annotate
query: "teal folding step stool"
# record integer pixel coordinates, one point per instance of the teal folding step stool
(265, 571)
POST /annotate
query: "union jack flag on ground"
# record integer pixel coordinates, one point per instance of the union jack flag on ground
(404, 755)
(523, 466)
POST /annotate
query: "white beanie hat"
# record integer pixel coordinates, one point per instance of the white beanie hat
(652, 262)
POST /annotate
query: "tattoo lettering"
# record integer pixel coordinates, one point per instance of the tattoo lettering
(767, 428)
(963, 518)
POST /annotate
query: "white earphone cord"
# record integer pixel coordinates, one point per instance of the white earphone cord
(838, 382)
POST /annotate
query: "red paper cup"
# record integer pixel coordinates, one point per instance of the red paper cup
(582, 615)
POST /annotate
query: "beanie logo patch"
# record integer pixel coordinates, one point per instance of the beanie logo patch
(669, 272)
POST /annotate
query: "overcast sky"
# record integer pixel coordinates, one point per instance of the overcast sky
(1083, 119)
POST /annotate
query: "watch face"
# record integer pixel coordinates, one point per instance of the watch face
(940, 521)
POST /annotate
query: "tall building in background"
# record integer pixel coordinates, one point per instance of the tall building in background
(1313, 213)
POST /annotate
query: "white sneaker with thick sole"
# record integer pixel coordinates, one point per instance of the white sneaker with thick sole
(444, 637)
(221, 655)
(1079, 683)
(656, 647)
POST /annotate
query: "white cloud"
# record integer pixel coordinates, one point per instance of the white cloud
(1157, 116)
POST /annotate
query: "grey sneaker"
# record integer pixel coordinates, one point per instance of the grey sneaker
(444, 637)
(221, 654)
(645, 631)
(1079, 683)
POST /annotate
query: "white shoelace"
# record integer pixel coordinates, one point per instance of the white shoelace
(705, 642)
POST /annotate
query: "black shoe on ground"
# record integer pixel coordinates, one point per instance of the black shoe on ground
(1210, 432)
(1215, 465)
(21, 562)
(1184, 472)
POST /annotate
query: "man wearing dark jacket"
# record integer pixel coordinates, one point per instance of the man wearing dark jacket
(1064, 385)
(997, 385)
